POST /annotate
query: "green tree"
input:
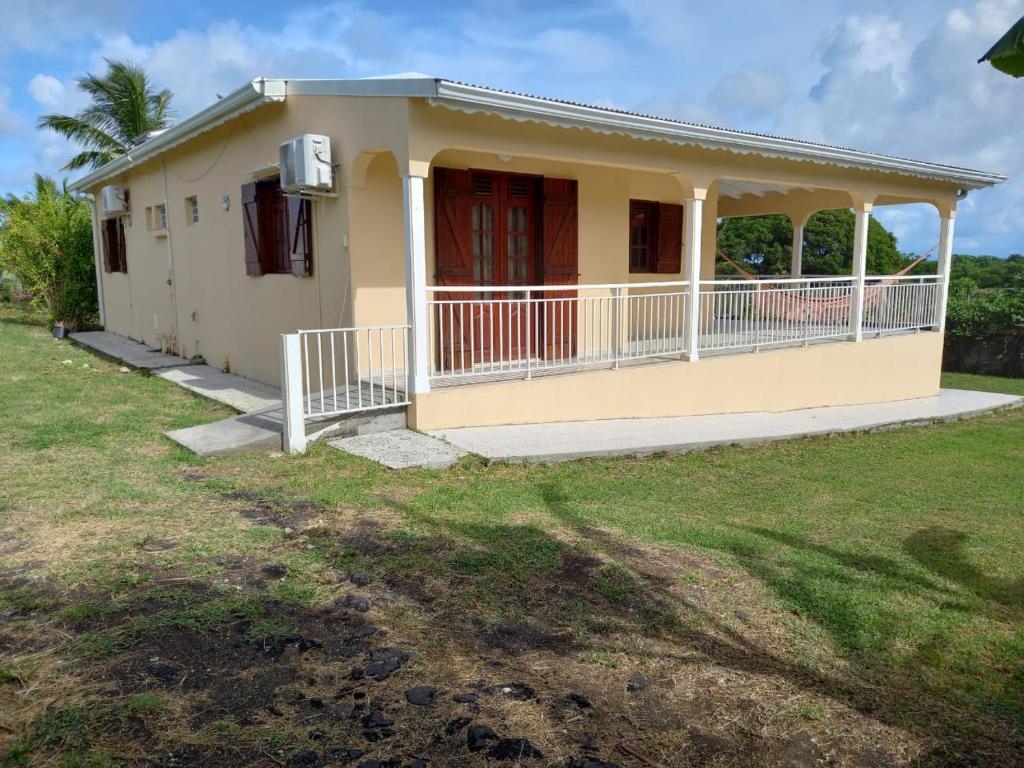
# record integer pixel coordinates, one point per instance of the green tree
(763, 245)
(46, 243)
(123, 108)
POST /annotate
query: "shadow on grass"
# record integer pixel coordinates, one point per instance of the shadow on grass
(231, 671)
(942, 551)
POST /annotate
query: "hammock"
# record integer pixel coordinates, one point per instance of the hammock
(788, 304)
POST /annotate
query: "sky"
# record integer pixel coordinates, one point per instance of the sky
(893, 77)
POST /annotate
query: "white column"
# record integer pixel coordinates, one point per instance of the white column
(416, 284)
(693, 218)
(293, 427)
(860, 262)
(796, 260)
(945, 266)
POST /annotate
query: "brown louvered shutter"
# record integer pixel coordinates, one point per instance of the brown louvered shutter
(453, 227)
(560, 264)
(105, 230)
(122, 249)
(300, 236)
(251, 230)
(670, 239)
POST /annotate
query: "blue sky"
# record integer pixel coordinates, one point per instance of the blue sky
(884, 76)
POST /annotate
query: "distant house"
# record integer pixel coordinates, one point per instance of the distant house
(487, 257)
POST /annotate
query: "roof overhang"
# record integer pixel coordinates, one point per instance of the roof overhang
(471, 98)
(247, 98)
(516, 106)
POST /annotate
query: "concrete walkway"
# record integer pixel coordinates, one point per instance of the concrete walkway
(126, 350)
(234, 391)
(238, 392)
(561, 441)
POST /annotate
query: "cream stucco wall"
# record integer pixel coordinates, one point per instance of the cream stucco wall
(877, 370)
(218, 312)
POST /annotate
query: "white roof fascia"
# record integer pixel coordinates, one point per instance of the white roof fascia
(251, 95)
(521, 107)
(408, 86)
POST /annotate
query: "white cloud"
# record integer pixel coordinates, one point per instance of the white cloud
(926, 98)
(47, 90)
(751, 91)
(10, 121)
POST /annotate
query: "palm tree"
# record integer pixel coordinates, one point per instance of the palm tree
(124, 109)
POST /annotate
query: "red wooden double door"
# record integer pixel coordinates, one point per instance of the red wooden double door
(504, 229)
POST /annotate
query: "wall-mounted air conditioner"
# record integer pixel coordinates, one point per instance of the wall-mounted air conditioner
(113, 201)
(306, 164)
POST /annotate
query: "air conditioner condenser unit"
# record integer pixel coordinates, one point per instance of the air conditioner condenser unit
(306, 164)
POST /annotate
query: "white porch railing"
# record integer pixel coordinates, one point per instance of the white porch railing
(739, 314)
(511, 331)
(475, 333)
(904, 303)
(333, 371)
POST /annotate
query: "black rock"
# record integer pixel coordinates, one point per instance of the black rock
(637, 682)
(421, 763)
(384, 661)
(580, 700)
(370, 764)
(464, 698)
(589, 762)
(306, 757)
(343, 710)
(357, 673)
(356, 603)
(513, 749)
(317, 735)
(274, 645)
(364, 631)
(456, 725)
(376, 719)
(316, 703)
(274, 570)
(421, 695)
(378, 734)
(478, 736)
(359, 578)
(514, 691)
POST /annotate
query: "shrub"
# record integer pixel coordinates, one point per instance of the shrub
(46, 243)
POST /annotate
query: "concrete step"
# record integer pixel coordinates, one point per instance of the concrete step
(261, 430)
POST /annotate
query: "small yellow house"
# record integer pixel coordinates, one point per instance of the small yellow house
(484, 257)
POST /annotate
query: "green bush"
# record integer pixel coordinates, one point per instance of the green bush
(46, 243)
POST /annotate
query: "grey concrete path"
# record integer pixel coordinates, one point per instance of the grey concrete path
(400, 449)
(240, 393)
(562, 441)
(127, 350)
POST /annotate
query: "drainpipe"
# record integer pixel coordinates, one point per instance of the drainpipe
(170, 262)
(91, 200)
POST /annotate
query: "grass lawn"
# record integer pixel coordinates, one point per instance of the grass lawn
(855, 600)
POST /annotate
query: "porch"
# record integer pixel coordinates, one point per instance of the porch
(511, 333)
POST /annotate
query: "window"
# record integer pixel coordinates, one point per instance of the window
(643, 235)
(156, 218)
(278, 230)
(192, 209)
(655, 236)
(115, 258)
